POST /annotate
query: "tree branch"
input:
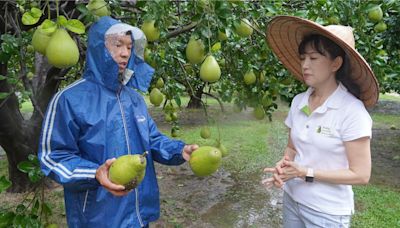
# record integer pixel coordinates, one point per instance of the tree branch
(181, 29)
(216, 98)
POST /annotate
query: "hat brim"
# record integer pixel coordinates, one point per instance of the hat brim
(284, 35)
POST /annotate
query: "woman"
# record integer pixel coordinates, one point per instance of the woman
(329, 127)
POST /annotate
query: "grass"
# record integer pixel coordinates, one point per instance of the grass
(376, 206)
(389, 97)
(382, 120)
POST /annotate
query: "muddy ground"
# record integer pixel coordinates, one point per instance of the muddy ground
(234, 200)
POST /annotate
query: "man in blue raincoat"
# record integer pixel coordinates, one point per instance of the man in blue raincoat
(99, 118)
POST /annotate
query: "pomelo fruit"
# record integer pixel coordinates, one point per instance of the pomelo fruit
(156, 97)
(128, 170)
(205, 161)
(62, 51)
(210, 70)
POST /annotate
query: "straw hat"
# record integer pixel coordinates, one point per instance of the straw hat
(284, 34)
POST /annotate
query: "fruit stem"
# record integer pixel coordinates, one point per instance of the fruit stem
(48, 10)
(57, 10)
(145, 154)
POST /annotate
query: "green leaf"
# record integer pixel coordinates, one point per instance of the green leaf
(28, 19)
(178, 100)
(4, 95)
(35, 176)
(6, 219)
(35, 206)
(35, 12)
(48, 26)
(26, 166)
(2, 77)
(61, 20)
(20, 208)
(31, 17)
(4, 184)
(82, 8)
(75, 26)
(46, 209)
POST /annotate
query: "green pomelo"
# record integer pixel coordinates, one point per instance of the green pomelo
(195, 51)
(98, 8)
(375, 14)
(156, 97)
(249, 77)
(160, 83)
(205, 132)
(209, 70)
(62, 51)
(205, 161)
(244, 29)
(40, 40)
(262, 78)
(222, 148)
(259, 113)
(128, 170)
(151, 32)
(380, 27)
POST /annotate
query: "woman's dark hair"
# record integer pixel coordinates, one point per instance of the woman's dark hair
(327, 47)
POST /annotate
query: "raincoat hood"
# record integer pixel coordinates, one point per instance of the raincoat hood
(101, 67)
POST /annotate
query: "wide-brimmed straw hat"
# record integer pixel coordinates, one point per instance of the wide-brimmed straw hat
(285, 33)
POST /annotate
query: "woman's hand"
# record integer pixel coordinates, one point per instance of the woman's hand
(188, 150)
(276, 172)
(102, 178)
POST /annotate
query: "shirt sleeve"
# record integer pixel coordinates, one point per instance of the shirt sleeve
(357, 122)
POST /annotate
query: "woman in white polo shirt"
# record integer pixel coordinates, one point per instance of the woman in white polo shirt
(329, 127)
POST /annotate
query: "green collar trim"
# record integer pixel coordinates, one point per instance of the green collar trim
(306, 110)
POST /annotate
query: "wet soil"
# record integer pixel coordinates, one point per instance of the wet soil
(234, 200)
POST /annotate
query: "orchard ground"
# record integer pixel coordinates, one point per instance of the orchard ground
(233, 196)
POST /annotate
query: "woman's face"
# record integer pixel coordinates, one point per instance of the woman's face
(318, 69)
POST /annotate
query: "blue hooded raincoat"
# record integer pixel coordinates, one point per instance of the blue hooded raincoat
(98, 118)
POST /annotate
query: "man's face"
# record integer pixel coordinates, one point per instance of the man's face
(120, 47)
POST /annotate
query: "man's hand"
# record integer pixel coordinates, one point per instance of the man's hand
(102, 177)
(188, 150)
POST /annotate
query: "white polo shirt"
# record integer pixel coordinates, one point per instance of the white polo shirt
(319, 141)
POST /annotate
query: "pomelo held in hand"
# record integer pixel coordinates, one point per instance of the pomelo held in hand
(128, 170)
(205, 161)
(62, 51)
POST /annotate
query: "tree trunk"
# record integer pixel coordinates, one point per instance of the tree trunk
(195, 99)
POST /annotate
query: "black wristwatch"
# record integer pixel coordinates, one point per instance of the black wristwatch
(310, 175)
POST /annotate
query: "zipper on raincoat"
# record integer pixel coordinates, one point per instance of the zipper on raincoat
(85, 201)
(129, 152)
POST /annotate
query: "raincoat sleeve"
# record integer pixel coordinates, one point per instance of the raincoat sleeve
(165, 150)
(59, 154)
